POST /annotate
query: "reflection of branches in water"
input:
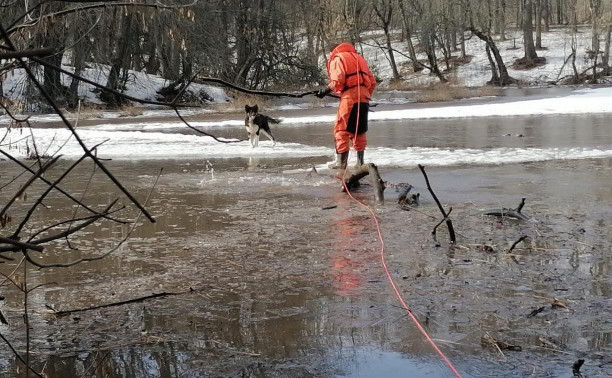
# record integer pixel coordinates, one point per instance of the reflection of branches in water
(59, 189)
(88, 259)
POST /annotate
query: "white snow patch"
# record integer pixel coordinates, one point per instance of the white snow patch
(140, 84)
(152, 145)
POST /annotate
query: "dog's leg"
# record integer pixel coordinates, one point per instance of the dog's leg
(256, 139)
(269, 135)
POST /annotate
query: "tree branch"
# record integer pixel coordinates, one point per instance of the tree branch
(449, 223)
(20, 244)
(26, 53)
(70, 196)
(57, 110)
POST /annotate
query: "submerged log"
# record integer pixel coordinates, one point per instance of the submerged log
(509, 213)
(405, 200)
(377, 182)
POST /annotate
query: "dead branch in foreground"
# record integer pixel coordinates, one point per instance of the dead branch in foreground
(121, 303)
(449, 223)
(517, 242)
(509, 213)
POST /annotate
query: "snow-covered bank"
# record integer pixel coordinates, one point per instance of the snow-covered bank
(476, 72)
(151, 145)
(139, 85)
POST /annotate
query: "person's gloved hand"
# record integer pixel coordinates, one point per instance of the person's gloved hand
(323, 92)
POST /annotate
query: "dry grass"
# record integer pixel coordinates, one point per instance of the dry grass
(400, 85)
(130, 111)
(445, 92)
(88, 111)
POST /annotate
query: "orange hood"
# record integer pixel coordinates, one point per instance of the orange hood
(343, 47)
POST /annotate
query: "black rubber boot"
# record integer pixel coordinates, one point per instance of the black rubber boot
(340, 162)
(359, 159)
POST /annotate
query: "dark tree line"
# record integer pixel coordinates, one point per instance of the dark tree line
(271, 43)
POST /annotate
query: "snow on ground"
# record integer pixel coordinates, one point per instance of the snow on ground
(477, 72)
(139, 85)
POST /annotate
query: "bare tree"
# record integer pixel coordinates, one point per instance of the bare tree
(530, 52)
(408, 21)
(384, 13)
(539, 5)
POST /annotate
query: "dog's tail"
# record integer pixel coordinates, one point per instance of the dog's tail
(273, 120)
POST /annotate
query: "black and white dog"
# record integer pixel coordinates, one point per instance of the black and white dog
(256, 123)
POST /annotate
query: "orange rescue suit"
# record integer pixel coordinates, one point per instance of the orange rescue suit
(351, 78)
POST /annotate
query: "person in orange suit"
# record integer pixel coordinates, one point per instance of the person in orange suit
(351, 78)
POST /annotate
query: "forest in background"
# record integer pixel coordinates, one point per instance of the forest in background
(266, 44)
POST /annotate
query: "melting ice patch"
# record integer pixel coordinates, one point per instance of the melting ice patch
(150, 145)
(412, 156)
(153, 145)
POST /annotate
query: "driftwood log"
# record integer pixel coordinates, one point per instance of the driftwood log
(377, 182)
(509, 213)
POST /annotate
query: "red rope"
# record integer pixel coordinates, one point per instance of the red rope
(397, 293)
(382, 251)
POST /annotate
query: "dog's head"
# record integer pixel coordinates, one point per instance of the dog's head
(251, 111)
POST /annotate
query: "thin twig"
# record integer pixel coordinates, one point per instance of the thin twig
(516, 242)
(121, 303)
(21, 190)
(62, 234)
(19, 356)
(29, 169)
(89, 259)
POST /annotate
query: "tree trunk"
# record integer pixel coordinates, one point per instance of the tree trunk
(546, 11)
(530, 51)
(539, 11)
(396, 75)
(118, 63)
(407, 26)
(52, 82)
(502, 20)
(52, 78)
(384, 11)
(79, 56)
(243, 45)
(494, 76)
(606, 53)
(595, 6)
(573, 17)
(504, 77)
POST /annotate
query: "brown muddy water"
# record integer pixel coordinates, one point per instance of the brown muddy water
(283, 288)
